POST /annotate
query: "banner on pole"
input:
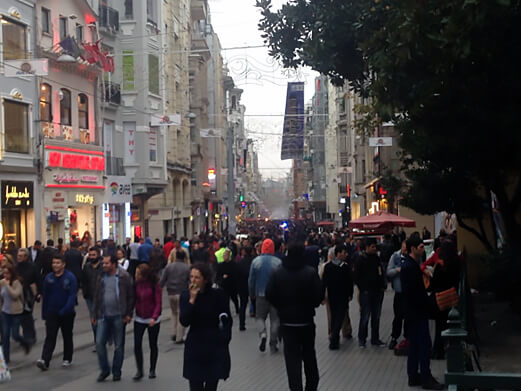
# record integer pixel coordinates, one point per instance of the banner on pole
(293, 129)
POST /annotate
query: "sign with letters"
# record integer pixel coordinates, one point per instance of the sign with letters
(17, 194)
(118, 190)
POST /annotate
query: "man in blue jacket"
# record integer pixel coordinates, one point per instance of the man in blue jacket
(144, 251)
(59, 298)
(417, 306)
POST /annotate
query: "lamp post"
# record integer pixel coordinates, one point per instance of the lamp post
(231, 195)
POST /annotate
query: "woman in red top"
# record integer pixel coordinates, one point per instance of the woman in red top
(148, 311)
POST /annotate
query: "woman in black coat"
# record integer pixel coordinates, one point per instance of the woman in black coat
(207, 311)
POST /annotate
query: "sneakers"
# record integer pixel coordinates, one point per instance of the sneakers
(66, 364)
(392, 343)
(378, 343)
(42, 365)
(432, 384)
(415, 380)
(262, 346)
(102, 376)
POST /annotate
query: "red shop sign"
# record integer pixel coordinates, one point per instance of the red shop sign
(76, 161)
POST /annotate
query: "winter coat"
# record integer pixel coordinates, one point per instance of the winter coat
(206, 354)
(148, 300)
(369, 274)
(228, 283)
(144, 250)
(31, 281)
(59, 294)
(89, 277)
(73, 261)
(295, 290)
(417, 304)
(338, 282)
(15, 291)
(393, 274)
(44, 261)
(243, 271)
(176, 277)
(126, 294)
(260, 272)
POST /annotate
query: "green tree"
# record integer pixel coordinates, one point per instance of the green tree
(446, 72)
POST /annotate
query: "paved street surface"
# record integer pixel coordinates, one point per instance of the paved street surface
(350, 368)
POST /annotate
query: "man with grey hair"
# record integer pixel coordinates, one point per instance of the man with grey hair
(28, 271)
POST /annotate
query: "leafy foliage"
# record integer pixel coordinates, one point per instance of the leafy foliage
(449, 68)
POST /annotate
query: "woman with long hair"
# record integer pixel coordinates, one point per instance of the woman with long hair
(122, 260)
(12, 307)
(207, 311)
(148, 311)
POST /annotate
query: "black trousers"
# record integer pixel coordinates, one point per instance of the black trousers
(27, 323)
(53, 323)
(153, 333)
(299, 346)
(419, 348)
(399, 317)
(243, 304)
(338, 313)
(203, 386)
(132, 265)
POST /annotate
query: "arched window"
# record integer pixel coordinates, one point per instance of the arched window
(65, 107)
(46, 102)
(83, 111)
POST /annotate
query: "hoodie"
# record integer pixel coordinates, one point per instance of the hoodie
(261, 269)
(144, 250)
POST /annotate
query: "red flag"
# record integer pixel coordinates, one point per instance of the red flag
(91, 53)
(109, 64)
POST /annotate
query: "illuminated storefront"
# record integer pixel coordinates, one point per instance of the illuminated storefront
(17, 212)
(74, 191)
(116, 214)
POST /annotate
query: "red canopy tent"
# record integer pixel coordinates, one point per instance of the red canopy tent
(325, 223)
(381, 221)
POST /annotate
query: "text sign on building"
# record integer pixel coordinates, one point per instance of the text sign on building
(119, 190)
(35, 67)
(17, 194)
(75, 161)
(380, 141)
(165, 120)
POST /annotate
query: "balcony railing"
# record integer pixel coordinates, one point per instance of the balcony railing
(112, 93)
(109, 18)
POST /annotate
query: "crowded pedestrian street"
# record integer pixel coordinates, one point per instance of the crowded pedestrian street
(350, 368)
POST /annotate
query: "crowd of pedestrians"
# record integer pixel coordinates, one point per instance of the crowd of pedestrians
(278, 274)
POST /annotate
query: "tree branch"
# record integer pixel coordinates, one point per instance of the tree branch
(483, 239)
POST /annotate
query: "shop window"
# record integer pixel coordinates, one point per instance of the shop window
(46, 103)
(46, 21)
(14, 40)
(63, 28)
(65, 107)
(83, 111)
(16, 129)
(153, 74)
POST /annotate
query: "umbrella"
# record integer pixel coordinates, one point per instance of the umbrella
(381, 220)
(325, 223)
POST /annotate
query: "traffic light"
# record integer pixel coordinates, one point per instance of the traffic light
(241, 197)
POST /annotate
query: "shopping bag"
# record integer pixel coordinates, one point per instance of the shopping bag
(5, 375)
(447, 299)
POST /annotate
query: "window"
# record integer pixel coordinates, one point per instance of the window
(152, 140)
(63, 28)
(79, 33)
(16, 120)
(151, 11)
(14, 43)
(46, 21)
(153, 74)
(128, 70)
(65, 107)
(129, 12)
(46, 103)
(83, 111)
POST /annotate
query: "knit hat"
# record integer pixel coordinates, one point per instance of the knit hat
(268, 247)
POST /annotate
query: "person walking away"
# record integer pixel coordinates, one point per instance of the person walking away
(113, 306)
(148, 310)
(417, 308)
(295, 291)
(370, 281)
(59, 296)
(207, 311)
(134, 257)
(44, 261)
(12, 306)
(122, 261)
(89, 277)
(227, 277)
(176, 277)
(157, 260)
(338, 282)
(31, 283)
(145, 250)
(169, 246)
(219, 254)
(260, 272)
(393, 273)
(243, 271)
(74, 260)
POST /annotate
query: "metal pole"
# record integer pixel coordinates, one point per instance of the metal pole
(231, 187)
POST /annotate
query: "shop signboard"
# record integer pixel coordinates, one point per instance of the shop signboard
(118, 190)
(17, 194)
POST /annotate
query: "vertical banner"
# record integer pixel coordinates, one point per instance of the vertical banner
(293, 130)
(129, 129)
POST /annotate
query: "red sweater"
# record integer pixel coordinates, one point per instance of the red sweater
(148, 300)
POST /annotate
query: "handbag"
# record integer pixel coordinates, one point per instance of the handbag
(447, 299)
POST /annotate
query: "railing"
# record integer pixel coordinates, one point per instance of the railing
(461, 335)
(112, 93)
(109, 18)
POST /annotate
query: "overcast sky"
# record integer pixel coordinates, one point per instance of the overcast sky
(262, 79)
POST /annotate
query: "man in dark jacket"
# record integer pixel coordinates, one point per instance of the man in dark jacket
(44, 261)
(89, 276)
(417, 304)
(338, 283)
(74, 260)
(295, 290)
(145, 250)
(312, 253)
(32, 288)
(370, 281)
(112, 306)
(243, 270)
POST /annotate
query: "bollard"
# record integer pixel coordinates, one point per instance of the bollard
(455, 335)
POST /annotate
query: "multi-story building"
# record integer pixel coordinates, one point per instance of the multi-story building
(20, 208)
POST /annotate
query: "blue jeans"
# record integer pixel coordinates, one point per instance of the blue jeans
(91, 315)
(371, 308)
(115, 327)
(10, 326)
